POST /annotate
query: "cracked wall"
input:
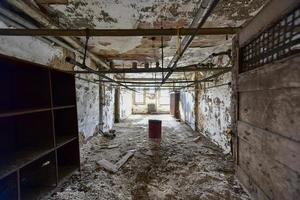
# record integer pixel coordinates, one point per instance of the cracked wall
(108, 108)
(215, 111)
(87, 95)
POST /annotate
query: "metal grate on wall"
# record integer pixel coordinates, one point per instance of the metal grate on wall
(280, 40)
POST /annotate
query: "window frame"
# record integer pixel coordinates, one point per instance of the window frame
(144, 98)
(160, 95)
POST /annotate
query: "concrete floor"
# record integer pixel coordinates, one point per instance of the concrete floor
(174, 168)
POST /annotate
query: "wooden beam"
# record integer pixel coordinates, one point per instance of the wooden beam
(150, 82)
(148, 79)
(155, 70)
(117, 32)
(65, 2)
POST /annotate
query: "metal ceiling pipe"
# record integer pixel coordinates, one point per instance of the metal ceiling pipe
(203, 13)
(41, 18)
(208, 78)
(82, 66)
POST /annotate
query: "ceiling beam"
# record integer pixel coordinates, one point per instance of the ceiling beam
(154, 70)
(148, 79)
(151, 83)
(155, 86)
(117, 32)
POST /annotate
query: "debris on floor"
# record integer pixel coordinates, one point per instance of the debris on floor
(115, 167)
(173, 168)
(111, 134)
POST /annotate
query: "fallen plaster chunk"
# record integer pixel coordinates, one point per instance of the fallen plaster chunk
(115, 167)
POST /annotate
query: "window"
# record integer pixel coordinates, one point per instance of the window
(139, 97)
(164, 98)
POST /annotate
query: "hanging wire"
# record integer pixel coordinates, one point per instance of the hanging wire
(162, 49)
(86, 45)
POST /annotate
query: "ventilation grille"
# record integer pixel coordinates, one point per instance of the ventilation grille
(280, 40)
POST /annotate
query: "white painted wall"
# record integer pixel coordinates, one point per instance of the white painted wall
(87, 94)
(125, 104)
(186, 107)
(108, 109)
(214, 105)
(214, 111)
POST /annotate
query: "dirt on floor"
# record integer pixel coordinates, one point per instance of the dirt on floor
(175, 167)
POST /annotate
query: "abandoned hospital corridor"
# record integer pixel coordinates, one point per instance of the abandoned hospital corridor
(149, 99)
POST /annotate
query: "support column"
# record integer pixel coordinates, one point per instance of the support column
(117, 105)
(101, 103)
(196, 103)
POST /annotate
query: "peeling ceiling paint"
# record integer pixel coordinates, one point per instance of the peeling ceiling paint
(132, 14)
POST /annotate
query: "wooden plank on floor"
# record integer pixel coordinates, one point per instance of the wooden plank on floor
(276, 180)
(275, 110)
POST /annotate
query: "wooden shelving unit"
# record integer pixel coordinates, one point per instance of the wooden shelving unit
(39, 132)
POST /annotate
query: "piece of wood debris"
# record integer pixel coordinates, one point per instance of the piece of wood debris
(107, 165)
(196, 139)
(115, 167)
(123, 160)
(105, 146)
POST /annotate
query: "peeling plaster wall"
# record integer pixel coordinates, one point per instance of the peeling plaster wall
(125, 104)
(186, 107)
(214, 111)
(108, 108)
(87, 106)
(87, 94)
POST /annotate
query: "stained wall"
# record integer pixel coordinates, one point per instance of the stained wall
(215, 110)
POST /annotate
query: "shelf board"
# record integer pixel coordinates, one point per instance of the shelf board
(24, 112)
(18, 160)
(37, 192)
(63, 107)
(62, 140)
(66, 171)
